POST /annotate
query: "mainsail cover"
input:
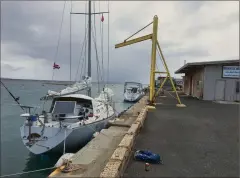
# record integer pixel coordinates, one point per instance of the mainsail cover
(78, 86)
(105, 95)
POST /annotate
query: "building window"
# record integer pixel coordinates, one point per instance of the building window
(237, 86)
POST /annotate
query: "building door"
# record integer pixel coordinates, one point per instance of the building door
(219, 90)
(190, 86)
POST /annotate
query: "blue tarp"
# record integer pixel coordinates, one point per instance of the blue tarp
(147, 156)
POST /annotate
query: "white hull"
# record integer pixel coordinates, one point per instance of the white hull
(132, 97)
(56, 136)
(133, 91)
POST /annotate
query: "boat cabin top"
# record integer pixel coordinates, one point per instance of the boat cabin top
(133, 87)
(75, 105)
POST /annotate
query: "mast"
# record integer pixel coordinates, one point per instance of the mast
(89, 37)
(89, 43)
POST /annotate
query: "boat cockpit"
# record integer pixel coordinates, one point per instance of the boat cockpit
(71, 109)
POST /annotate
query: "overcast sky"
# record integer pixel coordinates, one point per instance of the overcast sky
(191, 31)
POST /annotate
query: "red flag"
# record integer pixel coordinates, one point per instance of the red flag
(102, 19)
(56, 66)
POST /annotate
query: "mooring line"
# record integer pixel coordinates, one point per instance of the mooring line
(20, 173)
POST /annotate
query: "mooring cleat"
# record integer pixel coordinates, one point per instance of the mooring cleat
(181, 105)
(151, 107)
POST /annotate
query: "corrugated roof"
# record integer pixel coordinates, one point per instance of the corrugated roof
(193, 64)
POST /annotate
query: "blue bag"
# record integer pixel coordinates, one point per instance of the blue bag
(147, 156)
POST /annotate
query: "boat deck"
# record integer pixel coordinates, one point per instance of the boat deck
(200, 140)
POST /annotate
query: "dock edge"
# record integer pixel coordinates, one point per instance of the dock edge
(116, 165)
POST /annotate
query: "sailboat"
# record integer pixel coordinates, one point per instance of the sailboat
(72, 119)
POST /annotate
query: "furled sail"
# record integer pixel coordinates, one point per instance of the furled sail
(105, 95)
(78, 86)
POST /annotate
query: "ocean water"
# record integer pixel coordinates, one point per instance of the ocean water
(15, 157)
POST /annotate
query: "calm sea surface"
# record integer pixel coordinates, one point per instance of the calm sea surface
(14, 156)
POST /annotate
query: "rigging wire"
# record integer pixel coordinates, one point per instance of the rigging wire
(70, 40)
(102, 54)
(95, 44)
(108, 44)
(83, 59)
(84, 64)
(98, 64)
(100, 23)
(101, 35)
(79, 62)
(108, 52)
(59, 36)
(85, 31)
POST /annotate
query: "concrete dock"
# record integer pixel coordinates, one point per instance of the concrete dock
(200, 140)
(94, 157)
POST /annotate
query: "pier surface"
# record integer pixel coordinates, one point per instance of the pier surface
(95, 155)
(200, 140)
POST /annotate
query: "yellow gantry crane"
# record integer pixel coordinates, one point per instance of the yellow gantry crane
(155, 46)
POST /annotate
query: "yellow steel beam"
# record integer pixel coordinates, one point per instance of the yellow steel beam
(136, 40)
(165, 64)
(138, 31)
(153, 59)
(161, 87)
(158, 72)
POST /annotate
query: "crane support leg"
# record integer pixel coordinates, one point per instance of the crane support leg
(155, 46)
(160, 87)
(153, 60)
(165, 65)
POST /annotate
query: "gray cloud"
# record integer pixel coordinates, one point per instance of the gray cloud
(221, 23)
(34, 27)
(190, 6)
(11, 68)
(189, 53)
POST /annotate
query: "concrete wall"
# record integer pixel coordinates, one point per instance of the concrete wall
(211, 75)
(193, 83)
